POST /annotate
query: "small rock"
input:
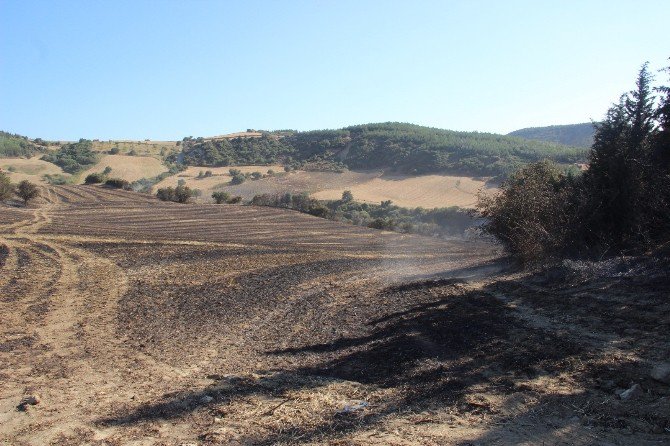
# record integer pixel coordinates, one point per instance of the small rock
(633, 393)
(29, 400)
(206, 399)
(661, 373)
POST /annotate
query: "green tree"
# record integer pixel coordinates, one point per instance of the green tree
(182, 194)
(27, 191)
(619, 169)
(347, 196)
(220, 197)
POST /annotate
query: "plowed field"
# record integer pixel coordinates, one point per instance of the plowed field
(133, 321)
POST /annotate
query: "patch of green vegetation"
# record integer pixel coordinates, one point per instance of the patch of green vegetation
(145, 185)
(17, 146)
(577, 135)
(56, 179)
(73, 157)
(401, 147)
(386, 215)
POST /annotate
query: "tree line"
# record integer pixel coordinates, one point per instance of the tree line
(620, 204)
(400, 147)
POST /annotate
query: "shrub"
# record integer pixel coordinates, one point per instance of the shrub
(182, 194)
(114, 151)
(117, 183)
(6, 187)
(107, 170)
(235, 200)
(27, 191)
(347, 196)
(256, 175)
(95, 178)
(179, 194)
(238, 179)
(165, 193)
(530, 216)
(220, 197)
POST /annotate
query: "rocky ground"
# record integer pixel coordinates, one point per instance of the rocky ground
(129, 321)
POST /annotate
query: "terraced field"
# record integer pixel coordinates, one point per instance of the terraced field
(133, 321)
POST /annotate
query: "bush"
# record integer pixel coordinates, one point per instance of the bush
(235, 200)
(114, 151)
(182, 194)
(165, 193)
(95, 178)
(256, 175)
(117, 183)
(179, 194)
(238, 179)
(220, 197)
(27, 191)
(531, 215)
(6, 187)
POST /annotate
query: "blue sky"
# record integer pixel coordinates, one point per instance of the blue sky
(168, 69)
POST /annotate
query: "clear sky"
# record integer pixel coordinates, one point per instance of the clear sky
(168, 69)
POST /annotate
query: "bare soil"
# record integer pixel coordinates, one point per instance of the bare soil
(140, 322)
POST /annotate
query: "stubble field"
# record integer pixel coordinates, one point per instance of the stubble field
(139, 322)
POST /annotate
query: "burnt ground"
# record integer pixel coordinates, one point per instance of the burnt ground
(138, 322)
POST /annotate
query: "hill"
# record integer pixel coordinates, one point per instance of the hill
(405, 148)
(576, 135)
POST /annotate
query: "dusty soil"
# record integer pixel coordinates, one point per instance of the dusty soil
(140, 322)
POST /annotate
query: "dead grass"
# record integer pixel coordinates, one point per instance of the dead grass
(426, 191)
(129, 168)
(29, 169)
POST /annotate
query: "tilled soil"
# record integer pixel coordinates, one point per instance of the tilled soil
(139, 322)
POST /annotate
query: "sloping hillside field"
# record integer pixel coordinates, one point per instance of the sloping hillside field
(126, 320)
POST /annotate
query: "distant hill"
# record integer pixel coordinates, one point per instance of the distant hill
(576, 135)
(405, 148)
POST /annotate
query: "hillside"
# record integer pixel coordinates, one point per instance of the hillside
(405, 148)
(15, 146)
(131, 321)
(576, 135)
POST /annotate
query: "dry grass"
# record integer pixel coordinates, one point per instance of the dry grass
(219, 179)
(129, 168)
(426, 191)
(29, 169)
(141, 148)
